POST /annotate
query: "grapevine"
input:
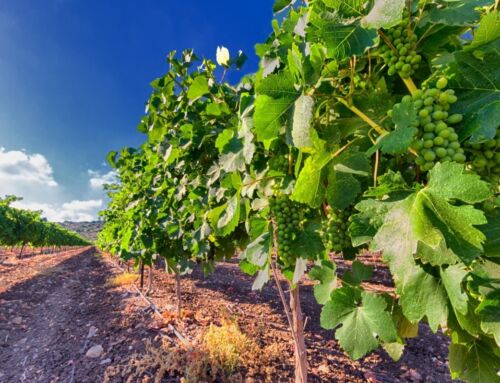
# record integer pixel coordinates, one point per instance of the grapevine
(406, 167)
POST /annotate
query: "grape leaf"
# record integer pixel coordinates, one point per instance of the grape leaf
(452, 278)
(394, 349)
(423, 295)
(389, 183)
(262, 278)
(398, 140)
(352, 162)
(474, 362)
(363, 319)
(325, 274)
(257, 252)
(342, 40)
(309, 188)
(460, 12)
(279, 5)
(269, 117)
(300, 268)
(492, 232)
(476, 82)
(230, 216)
(276, 97)
(342, 190)
(359, 273)
(488, 30)
(308, 244)
(198, 88)
(450, 181)
(384, 14)
(347, 8)
(417, 218)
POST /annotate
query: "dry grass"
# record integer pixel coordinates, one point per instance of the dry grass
(225, 346)
(123, 279)
(216, 356)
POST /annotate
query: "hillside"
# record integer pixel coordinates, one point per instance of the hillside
(87, 230)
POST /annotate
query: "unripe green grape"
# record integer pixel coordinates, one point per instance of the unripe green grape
(454, 119)
(442, 83)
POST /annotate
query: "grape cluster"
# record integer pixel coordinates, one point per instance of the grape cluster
(485, 157)
(334, 232)
(436, 140)
(280, 162)
(288, 216)
(399, 54)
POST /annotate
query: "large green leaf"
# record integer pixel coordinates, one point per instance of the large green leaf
(310, 188)
(453, 277)
(476, 81)
(344, 40)
(276, 97)
(423, 295)
(343, 189)
(269, 117)
(308, 244)
(384, 14)
(257, 252)
(198, 88)
(230, 216)
(488, 30)
(399, 140)
(459, 12)
(363, 319)
(474, 362)
(279, 5)
(492, 232)
(428, 217)
(327, 278)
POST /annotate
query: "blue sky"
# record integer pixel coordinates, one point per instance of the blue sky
(74, 76)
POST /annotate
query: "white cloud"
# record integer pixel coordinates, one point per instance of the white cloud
(31, 177)
(17, 168)
(98, 180)
(76, 210)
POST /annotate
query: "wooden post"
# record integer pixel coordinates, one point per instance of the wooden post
(142, 274)
(300, 344)
(178, 291)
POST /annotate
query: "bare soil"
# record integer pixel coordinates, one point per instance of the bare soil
(54, 308)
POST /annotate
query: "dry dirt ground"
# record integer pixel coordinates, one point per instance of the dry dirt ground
(54, 308)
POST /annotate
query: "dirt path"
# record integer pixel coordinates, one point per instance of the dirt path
(55, 308)
(50, 306)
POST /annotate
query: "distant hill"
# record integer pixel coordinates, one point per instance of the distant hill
(87, 230)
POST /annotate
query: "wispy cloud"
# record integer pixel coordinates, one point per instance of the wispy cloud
(97, 179)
